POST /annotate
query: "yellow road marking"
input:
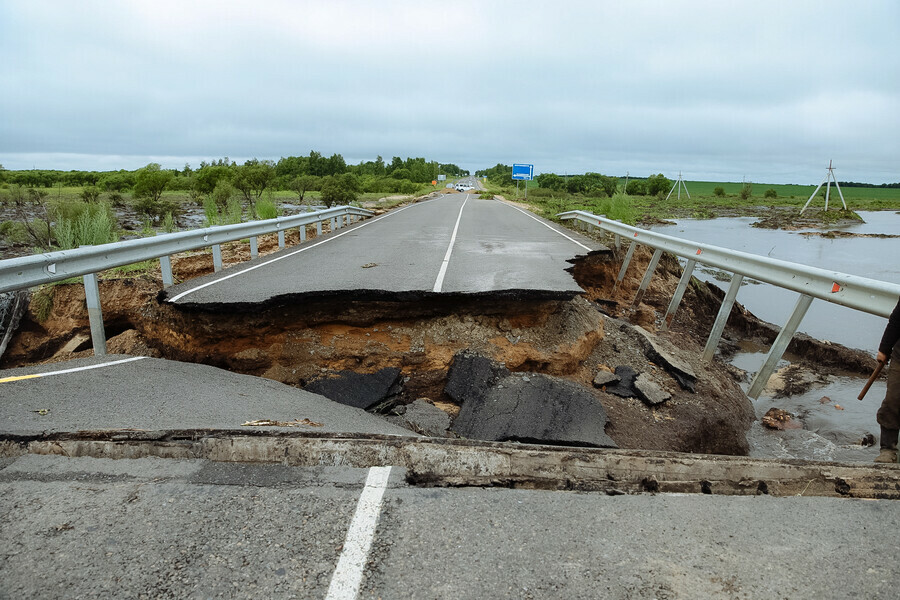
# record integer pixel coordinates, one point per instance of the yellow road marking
(7, 379)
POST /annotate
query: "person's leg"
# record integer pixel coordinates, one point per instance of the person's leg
(889, 414)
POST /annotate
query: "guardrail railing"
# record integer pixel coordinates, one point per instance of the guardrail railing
(87, 261)
(859, 293)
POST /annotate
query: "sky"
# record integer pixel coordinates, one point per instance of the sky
(719, 91)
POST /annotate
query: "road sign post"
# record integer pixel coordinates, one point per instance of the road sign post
(522, 173)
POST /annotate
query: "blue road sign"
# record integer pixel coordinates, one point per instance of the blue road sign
(523, 172)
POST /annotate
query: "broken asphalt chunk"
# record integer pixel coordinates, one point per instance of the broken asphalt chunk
(360, 390)
(471, 376)
(625, 386)
(650, 391)
(664, 353)
(535, 408)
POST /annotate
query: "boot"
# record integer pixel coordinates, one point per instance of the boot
(887, 455)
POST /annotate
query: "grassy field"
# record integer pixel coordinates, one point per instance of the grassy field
(703, 202)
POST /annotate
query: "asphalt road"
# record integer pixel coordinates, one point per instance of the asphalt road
(90, 528)
(455, 243)
(103, 392)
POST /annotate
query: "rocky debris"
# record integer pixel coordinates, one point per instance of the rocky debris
(776, 418)
(470, 376)
(605, 378)
(12, 307)
(625, 386)
(422, 417)
(130, 342)
(360, 390)
(674, 360)
(794, 379)
(650, 391)
(524, 407)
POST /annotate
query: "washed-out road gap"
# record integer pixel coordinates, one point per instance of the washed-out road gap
(456, 243)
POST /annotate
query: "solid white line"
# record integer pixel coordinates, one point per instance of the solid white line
(439, 282)
(526, 213)
(72, 370)
(304, 249)
(349, 571)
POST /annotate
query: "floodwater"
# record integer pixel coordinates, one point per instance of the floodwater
(834, 421)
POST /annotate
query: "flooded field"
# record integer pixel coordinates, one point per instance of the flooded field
(834, 421)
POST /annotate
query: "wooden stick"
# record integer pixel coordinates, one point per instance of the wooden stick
(871, 380)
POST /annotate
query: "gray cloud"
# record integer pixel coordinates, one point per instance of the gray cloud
(767, 90)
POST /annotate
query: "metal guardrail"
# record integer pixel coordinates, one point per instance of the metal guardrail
(29, 271)
(859, 293)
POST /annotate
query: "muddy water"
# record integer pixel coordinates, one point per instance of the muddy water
(876, 258)
(833, 419)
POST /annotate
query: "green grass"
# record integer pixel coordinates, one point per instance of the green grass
(703, 203)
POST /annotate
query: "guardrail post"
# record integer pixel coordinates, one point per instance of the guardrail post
(618, 239)
(318, 228)
(254, 247)
(95, 313)
(217, 257)
(722, 318)
(779, 346)
(625, 264)
(648, 275)
(281, 239)
(333, 224)
(302, 231)
(165, 267)
(679, 293)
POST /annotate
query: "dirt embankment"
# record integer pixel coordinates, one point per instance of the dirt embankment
(296, 343)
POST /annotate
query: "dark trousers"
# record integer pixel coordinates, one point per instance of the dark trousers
(889, 414)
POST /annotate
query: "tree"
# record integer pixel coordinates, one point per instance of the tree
(303, 184)
(551, 181)
(636, 187)
(149, 185)
(337, 190)
(658, 184)
(151, 181)
(252, 179)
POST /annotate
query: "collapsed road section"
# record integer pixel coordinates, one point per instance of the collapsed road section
(573, 364)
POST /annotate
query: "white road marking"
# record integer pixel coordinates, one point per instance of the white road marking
(282, 257)
(349, 571)
(526, 213)
(439, 282)
(72, 370)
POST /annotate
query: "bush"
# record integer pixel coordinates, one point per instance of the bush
(266, 209)
(94, 226)
(746, 191)
(658, 184)
(636, 187)
(90, 193)
(770, 193)
(719, 191)
(336, 191)
(619, 208)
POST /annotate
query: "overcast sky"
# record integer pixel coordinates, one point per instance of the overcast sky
(719, 90)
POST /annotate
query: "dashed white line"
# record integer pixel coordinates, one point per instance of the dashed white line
(439, 282)
(290, 254)
(527, 214)
(349, 571)
(72, 370)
